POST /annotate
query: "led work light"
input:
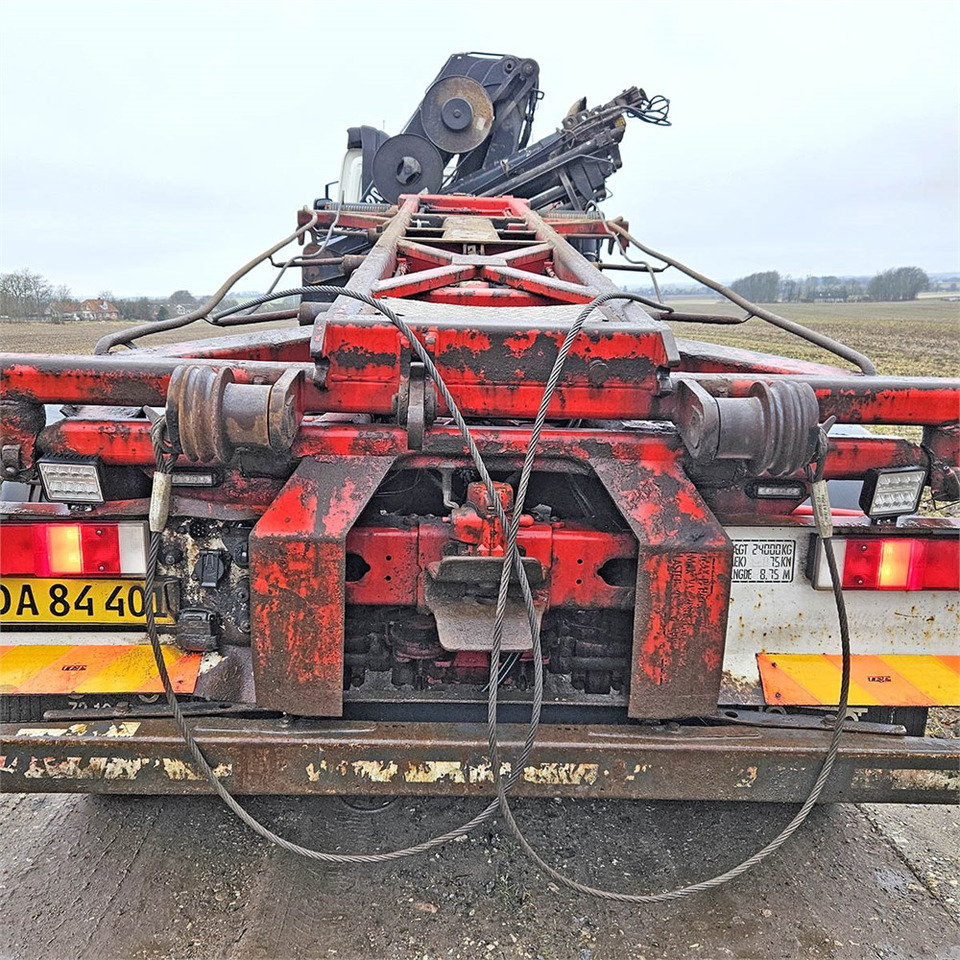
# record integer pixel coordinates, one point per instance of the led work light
(776, 490)
(71, 481)
(891, 493)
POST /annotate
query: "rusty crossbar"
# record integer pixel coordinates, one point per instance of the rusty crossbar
(361, 757)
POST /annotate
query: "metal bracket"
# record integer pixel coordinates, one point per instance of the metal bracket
(459, 592)
(416, 405)
(796, 721)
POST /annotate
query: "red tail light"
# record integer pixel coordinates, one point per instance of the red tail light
(901, 563)
(72, 549)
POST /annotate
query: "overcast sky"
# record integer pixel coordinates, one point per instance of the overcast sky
(152, 146)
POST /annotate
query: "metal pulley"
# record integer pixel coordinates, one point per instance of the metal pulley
(457, 114)
(774, 430)
(209, 415)
(407, 164)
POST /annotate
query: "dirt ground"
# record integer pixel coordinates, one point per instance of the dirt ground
(101, 878)
(180, 878)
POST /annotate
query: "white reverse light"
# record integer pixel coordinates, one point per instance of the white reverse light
(69, 481)
(891, 493)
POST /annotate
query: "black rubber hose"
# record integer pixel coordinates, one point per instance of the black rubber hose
(105, 344)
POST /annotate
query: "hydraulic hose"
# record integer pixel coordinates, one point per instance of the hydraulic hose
(165, 459)
(105, 344)
(790, 326)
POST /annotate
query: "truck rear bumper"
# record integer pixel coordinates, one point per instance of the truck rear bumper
(361, 757)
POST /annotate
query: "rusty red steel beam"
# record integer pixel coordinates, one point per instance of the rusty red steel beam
(926, 403)
(485, 296)
(144, 379)
(263, 756)
(271, 346)
(117, 379)
(572, 555)
(700, 357)
(298, 551)
(421, 281)
(849, 457)
(524, 256)
(128, 442)
(347, 218)
(555, 289)
(570, 265)
(418, 250)
(481, 206)
(379, 264)
(684, 564)
(578, 228)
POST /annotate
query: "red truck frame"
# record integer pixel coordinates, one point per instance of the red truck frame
(298, 570)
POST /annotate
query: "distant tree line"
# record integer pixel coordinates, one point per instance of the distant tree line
(26, 295)
(759, 287)
(901, 283)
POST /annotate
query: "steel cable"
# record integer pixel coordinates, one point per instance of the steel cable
(510, 527)
(510, 552)
(165, 464)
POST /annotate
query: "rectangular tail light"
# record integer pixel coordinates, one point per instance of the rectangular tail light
(890, 563)
(73, 550)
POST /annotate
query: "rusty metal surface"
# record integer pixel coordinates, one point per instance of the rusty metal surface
(930, 401)
(345, 400)
(498, 371)
(297, 590)
(683, 588)
(21, 420)
(119, 380)
(698, 356)
(942, 445)
(379, 262)
(209, 415)
(358, 757)
(775, 429)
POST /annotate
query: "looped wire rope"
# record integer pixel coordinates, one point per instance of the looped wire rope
(165, 459)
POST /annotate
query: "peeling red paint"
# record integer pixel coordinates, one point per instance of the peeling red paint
(297, 589)
(683, 587)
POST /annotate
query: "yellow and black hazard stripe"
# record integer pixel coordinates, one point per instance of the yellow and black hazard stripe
(112, 668)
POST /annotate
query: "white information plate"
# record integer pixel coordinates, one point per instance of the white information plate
(764, 561)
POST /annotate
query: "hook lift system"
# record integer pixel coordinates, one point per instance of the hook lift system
(477, 523)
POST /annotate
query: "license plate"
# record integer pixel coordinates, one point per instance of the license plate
(29, 600)
(763, 561)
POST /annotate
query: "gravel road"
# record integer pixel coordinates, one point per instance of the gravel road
(99, 878)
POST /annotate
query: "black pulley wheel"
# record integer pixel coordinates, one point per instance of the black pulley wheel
(407, 164)
(457, 114)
